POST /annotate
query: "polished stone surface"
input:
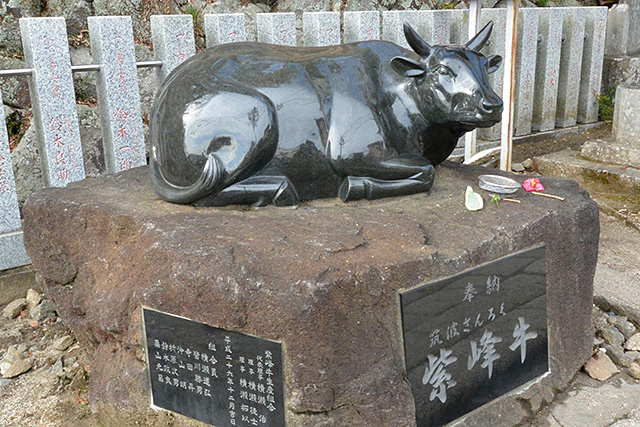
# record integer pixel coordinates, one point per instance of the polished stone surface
(12, 251)
(220, 377)
(433, 26)
(252, 123)
(526, 70)
(476, 336)
(496, 46)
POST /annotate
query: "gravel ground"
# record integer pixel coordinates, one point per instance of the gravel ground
(53, 391)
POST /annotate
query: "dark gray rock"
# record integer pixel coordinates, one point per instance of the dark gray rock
(10, 13)
(15, 90)
(140, 12)
(627, 328)
(517, 167)
(91, 137)
(322, 278)
(83, 83)
(618, 356)
(611, 335)
(43, 310)
(26, 165)
(74, 12)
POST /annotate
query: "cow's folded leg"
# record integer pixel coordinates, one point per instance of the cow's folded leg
(256, 191)
(356, 187)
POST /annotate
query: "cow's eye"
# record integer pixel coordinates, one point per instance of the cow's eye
(444, 71)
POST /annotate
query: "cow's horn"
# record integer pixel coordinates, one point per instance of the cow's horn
(418, 45)
(481, 38)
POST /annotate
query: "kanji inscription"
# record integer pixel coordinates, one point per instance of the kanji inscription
(220, 377)
(473, 337)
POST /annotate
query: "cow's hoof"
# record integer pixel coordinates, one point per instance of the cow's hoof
(352, 188)
(286, 195)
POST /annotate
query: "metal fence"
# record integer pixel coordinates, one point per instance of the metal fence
(558, 74)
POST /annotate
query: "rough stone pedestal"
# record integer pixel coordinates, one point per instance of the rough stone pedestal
(624, 148)
(322, 278)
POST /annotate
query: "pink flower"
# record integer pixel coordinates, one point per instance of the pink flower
(533, 184)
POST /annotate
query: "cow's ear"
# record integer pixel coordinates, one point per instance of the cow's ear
(494, 63)
(407, 67)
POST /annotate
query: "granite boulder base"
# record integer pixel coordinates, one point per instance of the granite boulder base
(323, 279)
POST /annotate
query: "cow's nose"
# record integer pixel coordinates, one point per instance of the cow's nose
(492, 106)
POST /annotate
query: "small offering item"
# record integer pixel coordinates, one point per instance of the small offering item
(498, 184)
(472, 200)
(533, 184)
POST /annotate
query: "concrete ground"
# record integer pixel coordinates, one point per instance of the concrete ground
(615, 402)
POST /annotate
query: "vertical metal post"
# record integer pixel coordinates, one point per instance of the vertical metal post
(508, 88)
(470, 138)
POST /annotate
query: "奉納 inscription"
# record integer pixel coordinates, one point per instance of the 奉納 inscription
(220, 377)
(475, 336)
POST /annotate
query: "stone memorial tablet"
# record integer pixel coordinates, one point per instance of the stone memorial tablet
(547, 68)
(220, 377)
(119, 97)
(473, 337)
(46, 52)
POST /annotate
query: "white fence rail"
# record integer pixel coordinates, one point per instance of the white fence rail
(559, 71)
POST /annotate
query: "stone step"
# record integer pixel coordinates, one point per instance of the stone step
(593, 176)
(615, 188)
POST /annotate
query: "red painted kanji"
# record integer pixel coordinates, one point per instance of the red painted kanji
(125, 164)
(63, 175)
(121, 115)
(55, 124)
(60, 158)
(122, 132)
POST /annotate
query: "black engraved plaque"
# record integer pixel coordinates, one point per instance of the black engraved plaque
(473, 337)
(220, 377)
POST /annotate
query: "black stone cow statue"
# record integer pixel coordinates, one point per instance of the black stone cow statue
(253, 123)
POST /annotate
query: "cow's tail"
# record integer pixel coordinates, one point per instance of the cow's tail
(209, 181)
